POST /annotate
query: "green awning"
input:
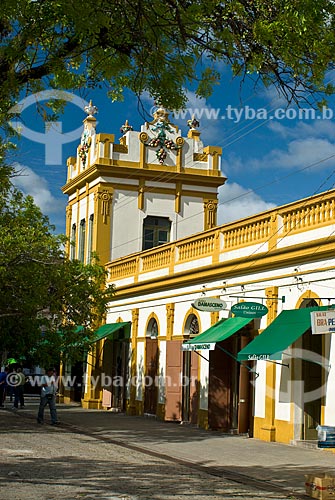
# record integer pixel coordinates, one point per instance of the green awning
(279, 335)
(114, 331)
(222, 330)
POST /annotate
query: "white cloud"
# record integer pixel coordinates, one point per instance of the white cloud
(237, 202)
(303, 129)
(299, 153)
(32, 184)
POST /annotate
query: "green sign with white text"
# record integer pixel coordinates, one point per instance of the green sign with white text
(249, 310)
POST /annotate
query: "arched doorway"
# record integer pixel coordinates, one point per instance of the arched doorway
(230, 395)
(311, 377)
(151, 368)
(190, 385)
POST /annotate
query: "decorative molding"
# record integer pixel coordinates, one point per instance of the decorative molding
(105, 197)
(200, 157)
(210, 211)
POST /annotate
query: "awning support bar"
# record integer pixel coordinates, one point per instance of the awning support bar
(235, 358)
(201, 356)
(276, 363)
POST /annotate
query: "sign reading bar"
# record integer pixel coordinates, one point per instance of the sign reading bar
(249, 310)
(209, 304)
(323, 322)
(198, 347)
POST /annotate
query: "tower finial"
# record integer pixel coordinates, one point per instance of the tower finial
(193, 123)
(126, 127)
(90, 110)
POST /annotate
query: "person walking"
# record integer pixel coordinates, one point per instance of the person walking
(48, 397)
(3, 386)
(19, 389)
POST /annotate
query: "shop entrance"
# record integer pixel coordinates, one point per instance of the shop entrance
(229, 398)
(312, 383)
(115, 369)
(151, 369)
(150, 397)
(190, 387)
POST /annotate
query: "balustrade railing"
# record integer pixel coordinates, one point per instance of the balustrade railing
(280, 222)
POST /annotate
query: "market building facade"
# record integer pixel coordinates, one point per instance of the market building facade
(148, 207)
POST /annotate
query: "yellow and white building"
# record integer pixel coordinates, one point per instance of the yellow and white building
(147, 205)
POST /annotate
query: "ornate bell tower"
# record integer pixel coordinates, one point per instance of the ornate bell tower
(152, 187)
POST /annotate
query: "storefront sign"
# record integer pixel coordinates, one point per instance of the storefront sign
(323, 322)
(209, 304)
(198, 347)
(249, 310)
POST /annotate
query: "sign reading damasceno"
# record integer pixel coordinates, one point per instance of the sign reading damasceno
(249, 310)
(209, 304)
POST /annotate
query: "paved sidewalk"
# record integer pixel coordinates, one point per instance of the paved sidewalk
(279, 464)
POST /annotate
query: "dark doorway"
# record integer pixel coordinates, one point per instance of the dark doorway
(115, 369)
(312, 378)
(77, 371)
(190, 402)
(150, 395)
(229, 398)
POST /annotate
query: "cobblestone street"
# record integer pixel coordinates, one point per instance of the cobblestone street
(46, 463)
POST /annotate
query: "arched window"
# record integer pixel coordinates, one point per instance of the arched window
(308, 303)
(152, 330)
(191, 326)
(73, 242)
(90, 239)
(81, 240)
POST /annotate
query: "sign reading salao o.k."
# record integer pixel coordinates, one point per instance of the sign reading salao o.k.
(209, 304)
(249, 310)
(323, 322)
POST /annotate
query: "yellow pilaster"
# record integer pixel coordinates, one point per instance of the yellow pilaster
(106, 140)
(169, 321)
(268, 429)
(214, 316)
(215, 152)
(273, 231)
(71, 163)
(141, 184)
(102, 224)
(68, 228)
(93, 391)
(131, 410)
(179, 157)
(210, 212)
(143, 136)
(177, 206)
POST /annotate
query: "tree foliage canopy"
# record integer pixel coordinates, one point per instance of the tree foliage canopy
(161, 47)
(158, 47)
(44, 297)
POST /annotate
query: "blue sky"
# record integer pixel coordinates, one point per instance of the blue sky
(272, 155)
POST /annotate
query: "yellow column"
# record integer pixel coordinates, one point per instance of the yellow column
(210, 211)
(169, 321)
(102, 222)
(131, 410)
(68, 228)
(143, 136)
(268, 429)
(93, 392)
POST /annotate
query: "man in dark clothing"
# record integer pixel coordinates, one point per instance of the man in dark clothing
(3, 386)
